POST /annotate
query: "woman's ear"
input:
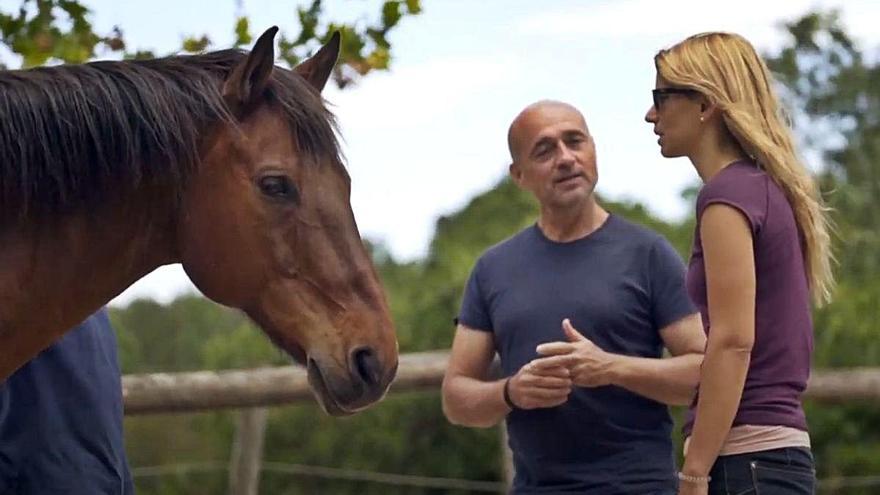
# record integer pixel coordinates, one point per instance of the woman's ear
(708, 109)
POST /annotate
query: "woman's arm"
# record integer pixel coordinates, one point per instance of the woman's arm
(730, 278)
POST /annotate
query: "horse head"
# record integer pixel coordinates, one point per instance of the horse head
(265, 224)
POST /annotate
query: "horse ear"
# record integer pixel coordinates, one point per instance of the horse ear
(317, 69)
(247, 81)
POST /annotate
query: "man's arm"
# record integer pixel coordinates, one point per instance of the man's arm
(471, 399)
(670, 380)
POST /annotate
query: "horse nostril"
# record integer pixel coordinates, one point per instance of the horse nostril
(366, 366)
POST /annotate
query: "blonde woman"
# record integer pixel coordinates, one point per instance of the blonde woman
(761, 249)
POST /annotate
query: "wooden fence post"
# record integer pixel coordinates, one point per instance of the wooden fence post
(507, 470)
(247, 452)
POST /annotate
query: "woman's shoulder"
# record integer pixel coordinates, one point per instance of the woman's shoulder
(741, 185)
(739, 181)
(738, 177)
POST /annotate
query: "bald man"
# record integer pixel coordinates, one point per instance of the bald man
(579, 307)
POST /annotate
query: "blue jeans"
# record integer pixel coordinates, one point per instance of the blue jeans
(787, 471)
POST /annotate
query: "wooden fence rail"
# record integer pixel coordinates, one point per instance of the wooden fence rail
(207, 390)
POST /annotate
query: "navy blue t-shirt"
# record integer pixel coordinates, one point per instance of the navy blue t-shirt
(61, 419)
(619, 286)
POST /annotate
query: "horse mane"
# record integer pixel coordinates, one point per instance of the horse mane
(71, 134)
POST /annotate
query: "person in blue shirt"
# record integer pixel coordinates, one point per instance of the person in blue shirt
(61, 418)
(579, 307)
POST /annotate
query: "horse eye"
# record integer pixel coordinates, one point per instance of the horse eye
(278, 187)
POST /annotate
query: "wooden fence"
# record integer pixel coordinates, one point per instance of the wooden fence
(255, 389)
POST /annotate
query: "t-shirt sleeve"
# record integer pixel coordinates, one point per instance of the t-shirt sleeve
(474, 311)
(669, 298)
(741, 189)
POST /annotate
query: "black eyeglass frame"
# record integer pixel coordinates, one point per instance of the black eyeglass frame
(660, 94)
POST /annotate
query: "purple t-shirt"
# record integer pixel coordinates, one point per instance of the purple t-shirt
(780, 359)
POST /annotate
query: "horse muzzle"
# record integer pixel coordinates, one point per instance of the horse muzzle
(363, 382)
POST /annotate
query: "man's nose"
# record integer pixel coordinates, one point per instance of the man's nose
(566, 155)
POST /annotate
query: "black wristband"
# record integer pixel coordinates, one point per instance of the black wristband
(507, 399)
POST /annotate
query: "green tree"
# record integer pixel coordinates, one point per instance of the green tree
(42, 31)
(836, 90)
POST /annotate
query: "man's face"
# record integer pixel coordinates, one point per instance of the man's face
(554, 156)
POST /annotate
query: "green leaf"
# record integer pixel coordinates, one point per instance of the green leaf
(286, 51)
(414, 6)
(308, 20)
(379, 58)
(390, 13)
(74, 9)
(378, 37)
(242, 32)
(140, 55)
(196, 45)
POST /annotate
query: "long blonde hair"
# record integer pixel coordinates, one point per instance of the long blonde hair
(725, 68)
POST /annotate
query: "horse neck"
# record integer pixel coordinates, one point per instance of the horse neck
(54, 275)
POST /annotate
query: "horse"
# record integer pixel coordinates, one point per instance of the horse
(222, 162)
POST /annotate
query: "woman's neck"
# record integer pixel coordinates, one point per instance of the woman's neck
(715, 153)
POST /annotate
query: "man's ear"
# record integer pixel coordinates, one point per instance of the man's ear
(515, 173)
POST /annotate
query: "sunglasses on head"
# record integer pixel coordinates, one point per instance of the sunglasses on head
(660, 94)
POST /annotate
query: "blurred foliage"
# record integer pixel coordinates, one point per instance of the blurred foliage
(835, 88)
(54, 31)
(831, 84)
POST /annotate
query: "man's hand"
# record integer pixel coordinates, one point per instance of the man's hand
(544, 382)
(590, 366)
